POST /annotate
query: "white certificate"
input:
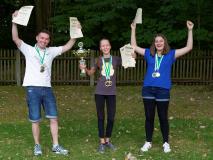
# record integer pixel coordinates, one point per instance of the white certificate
(126, 56)
(23, 15)
(138, 16)
(75, 31)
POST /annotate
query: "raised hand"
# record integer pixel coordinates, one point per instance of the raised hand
(15, 14)
(190, 25)
(133, 25)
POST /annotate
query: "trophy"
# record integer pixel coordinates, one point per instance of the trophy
(81, 53)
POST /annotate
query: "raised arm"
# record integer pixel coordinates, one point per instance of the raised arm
(189, 45)
(137, 49)
(71, 42)
(15, 36)
(68, 45)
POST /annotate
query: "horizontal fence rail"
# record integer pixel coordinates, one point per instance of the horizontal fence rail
(194, 68)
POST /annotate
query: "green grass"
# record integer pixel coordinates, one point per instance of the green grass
(190, 114)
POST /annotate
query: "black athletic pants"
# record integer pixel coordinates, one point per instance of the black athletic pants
(111, 109)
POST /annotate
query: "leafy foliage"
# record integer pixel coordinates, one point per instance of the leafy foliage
(112, 19)
(7, 7)
(98, 18)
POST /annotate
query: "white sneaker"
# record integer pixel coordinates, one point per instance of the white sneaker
(146, 146)
(59, 150)
(166, 147)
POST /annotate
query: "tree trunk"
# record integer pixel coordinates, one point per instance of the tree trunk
(43, 14)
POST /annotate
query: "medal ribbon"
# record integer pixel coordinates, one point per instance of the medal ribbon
(40, 57)
(107, 67)
(158, 62)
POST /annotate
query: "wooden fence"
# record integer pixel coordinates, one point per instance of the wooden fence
(193, 68)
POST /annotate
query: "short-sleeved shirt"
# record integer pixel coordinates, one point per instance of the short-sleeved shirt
(101, 89)
(164, 81)
(33, 76)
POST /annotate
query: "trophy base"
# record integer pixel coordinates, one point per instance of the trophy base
(82, 74)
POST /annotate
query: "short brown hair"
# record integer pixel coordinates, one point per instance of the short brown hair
(44, 31)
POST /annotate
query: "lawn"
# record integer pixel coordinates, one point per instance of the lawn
(190, 116)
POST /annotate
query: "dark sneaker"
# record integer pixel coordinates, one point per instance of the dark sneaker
(110, 145)
(37, 150)
(59, 150)
(101, 148)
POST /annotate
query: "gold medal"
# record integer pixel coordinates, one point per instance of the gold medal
(108, 83)
(42, 68)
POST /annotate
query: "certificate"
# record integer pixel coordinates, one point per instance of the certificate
(23, 15)
(138, 16)
(75, 31)
(126, 56)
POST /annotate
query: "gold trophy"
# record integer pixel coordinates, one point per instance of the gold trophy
(81, 53)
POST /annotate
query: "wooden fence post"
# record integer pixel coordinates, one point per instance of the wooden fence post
(92, 62)
(18, 68)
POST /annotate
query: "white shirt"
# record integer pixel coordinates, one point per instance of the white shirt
(33, 76)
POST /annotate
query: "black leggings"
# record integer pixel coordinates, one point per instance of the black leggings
(162, 109)
(111, 108)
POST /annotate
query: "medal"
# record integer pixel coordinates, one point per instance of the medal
(156, 72)
(108, 83)
(42, 68)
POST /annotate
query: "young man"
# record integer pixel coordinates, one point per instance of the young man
(37, 81)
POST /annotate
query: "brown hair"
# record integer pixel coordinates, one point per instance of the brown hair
(98, 62)
(166, 45)
(104, 39)
(44, 31)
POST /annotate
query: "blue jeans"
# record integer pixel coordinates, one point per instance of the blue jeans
(41, 96)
